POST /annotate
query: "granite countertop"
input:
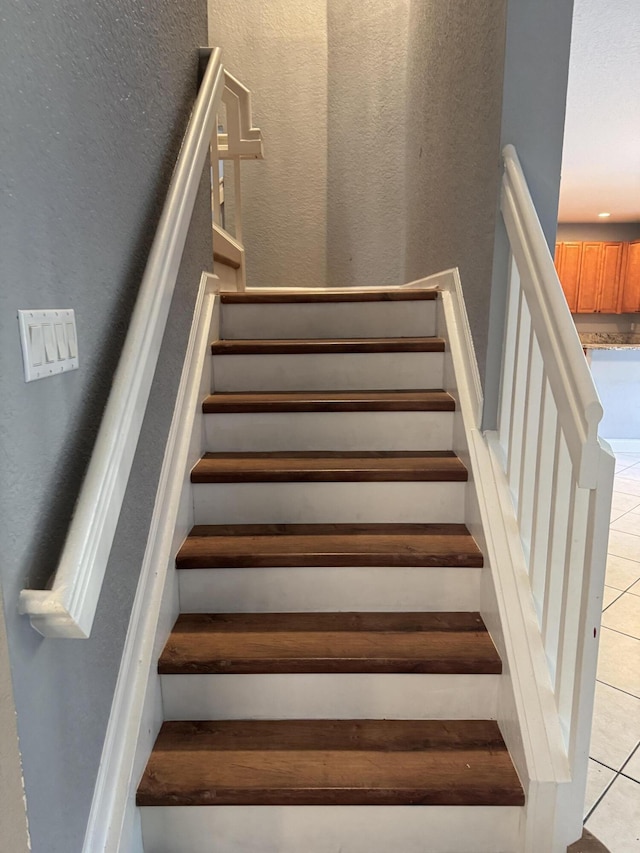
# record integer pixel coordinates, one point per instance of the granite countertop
(610, 340)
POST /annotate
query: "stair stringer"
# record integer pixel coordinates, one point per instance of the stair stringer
(526, 711)
(136, 711)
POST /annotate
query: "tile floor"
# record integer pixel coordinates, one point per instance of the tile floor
(613, 787)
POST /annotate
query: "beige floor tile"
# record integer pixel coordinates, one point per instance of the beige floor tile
(624, 545)
(632, 473)
(624, 465)
(635, 589)
(622, 503)
(624, 615)
(616, 819)
(619, 661)
(627, 485)
(630, 458)
(616, 726)
(598, 777)
(621, 573)
(609, 595)
(619, 468)
(628, 523)
(632, 767)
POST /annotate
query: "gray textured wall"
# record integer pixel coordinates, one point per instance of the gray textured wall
(535, 93)
(456, 53)
(96, 99)
(279, 50)
(366, 131)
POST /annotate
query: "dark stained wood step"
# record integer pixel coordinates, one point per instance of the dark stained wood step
(242, 643)
(279, 298)
(290, 545)
(294, 346)
(329, 401)
(328, 466)
(330, 762)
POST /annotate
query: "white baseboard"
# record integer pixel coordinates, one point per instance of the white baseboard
(135, 714)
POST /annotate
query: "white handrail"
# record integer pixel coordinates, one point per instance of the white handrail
(571, 380)
(68, 608)
(559, 474)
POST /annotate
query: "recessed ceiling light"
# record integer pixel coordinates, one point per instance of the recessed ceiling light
(604, 215)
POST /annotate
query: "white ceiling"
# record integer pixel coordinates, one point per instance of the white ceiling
(601, 156)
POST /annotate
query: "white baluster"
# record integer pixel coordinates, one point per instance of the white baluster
(518, 396)
(571, 606)
(542, 489)
(215, 177)
(508, 356)
(558, 552)
(533, 400)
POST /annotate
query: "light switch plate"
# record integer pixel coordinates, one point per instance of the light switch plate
(49, 342)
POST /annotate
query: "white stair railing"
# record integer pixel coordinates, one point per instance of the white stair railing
(560, 474)
(68, 607)
(238, 140)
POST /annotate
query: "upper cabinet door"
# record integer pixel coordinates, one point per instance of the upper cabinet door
(630, 300)
(613, 256)
(600, 277)
(590, 269)
(568, 259)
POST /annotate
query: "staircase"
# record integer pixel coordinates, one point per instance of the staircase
(330, 656)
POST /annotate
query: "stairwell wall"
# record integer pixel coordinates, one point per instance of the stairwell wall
(279, 51)
(382, 128)
(454, 100)
(96, 100)
(534, 99)
(367, 121)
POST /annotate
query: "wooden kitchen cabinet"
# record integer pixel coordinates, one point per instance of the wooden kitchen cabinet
(568, 257)
(593, 276)
(630, 296)
(613, 258)
(589, 280)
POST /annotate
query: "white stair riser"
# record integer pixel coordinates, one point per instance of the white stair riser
(330, 320)
(331, 829)
(346, 696)
(377, 371)
(309, 589)
(329, 431)
(293, 503)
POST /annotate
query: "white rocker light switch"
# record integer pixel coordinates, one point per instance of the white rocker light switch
(49, 342)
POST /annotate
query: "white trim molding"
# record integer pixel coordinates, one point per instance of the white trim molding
(134, 720)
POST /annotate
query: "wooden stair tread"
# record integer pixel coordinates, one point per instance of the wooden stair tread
(330, 762)
(325, 466)
(273, 297)
(242, 643)
(265, 545)
(329, 401)
(300, 346)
